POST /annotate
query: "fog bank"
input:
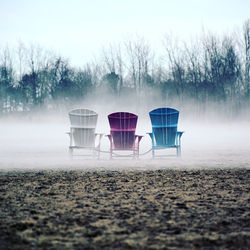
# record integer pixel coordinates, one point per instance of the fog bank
(41, 142)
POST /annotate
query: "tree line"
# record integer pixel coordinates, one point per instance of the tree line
(210, 70)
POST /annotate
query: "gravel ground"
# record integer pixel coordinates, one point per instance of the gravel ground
(161, 209)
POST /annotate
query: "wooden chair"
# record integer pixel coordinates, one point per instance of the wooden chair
(122, 133)
(82, 131)
(164, 130)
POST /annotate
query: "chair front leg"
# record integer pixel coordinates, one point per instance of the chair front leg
(99, 153)
(178, 143)
(111, 153)
(137, 153)
(71, 136)
(153, 144)
(134, 154)
(98, 147)
(137, 145)
(99, 139)
(111, 146)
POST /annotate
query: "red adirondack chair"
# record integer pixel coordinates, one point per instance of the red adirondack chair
(122, 133)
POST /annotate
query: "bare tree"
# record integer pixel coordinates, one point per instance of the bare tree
(132, 62)
(20, 52)
(139, 57)
(246, 32)
(176, 64)
(113, 59)
(38, 62)
(194, 77)
(7, 81)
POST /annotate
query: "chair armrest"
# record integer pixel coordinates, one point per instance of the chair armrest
(100, 135)
(152, 137)
(139, 137)
(178, 137)
(179, 133)
(109, 136)
(150, 134)
(70, 138)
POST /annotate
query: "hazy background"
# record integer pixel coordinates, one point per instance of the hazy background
(41, 142)
(79, 29)
(130, 56)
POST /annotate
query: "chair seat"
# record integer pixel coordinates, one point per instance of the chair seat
(164, 126)
(83, 127)
(164, 146)
(83, 147)
(125, 149)
(122, 130)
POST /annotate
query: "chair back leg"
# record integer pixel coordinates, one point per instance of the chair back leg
(98, 154)
(93, 153)
(153, 153)
(178, 151)
(136, 154)
(71, 152)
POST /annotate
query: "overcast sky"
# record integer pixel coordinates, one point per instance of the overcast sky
(78, 29)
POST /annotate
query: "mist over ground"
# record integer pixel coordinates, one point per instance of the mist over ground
(39, 140)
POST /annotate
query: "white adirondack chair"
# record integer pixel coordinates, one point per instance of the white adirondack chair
(82, 131)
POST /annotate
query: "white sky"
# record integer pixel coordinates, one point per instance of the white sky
(78, 29)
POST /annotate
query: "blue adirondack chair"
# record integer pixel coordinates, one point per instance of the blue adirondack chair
(164, 130)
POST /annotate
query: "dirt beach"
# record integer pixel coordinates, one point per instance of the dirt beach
(152, 209)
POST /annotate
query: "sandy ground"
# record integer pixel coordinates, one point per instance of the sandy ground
(132, 209)
(48, 201)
